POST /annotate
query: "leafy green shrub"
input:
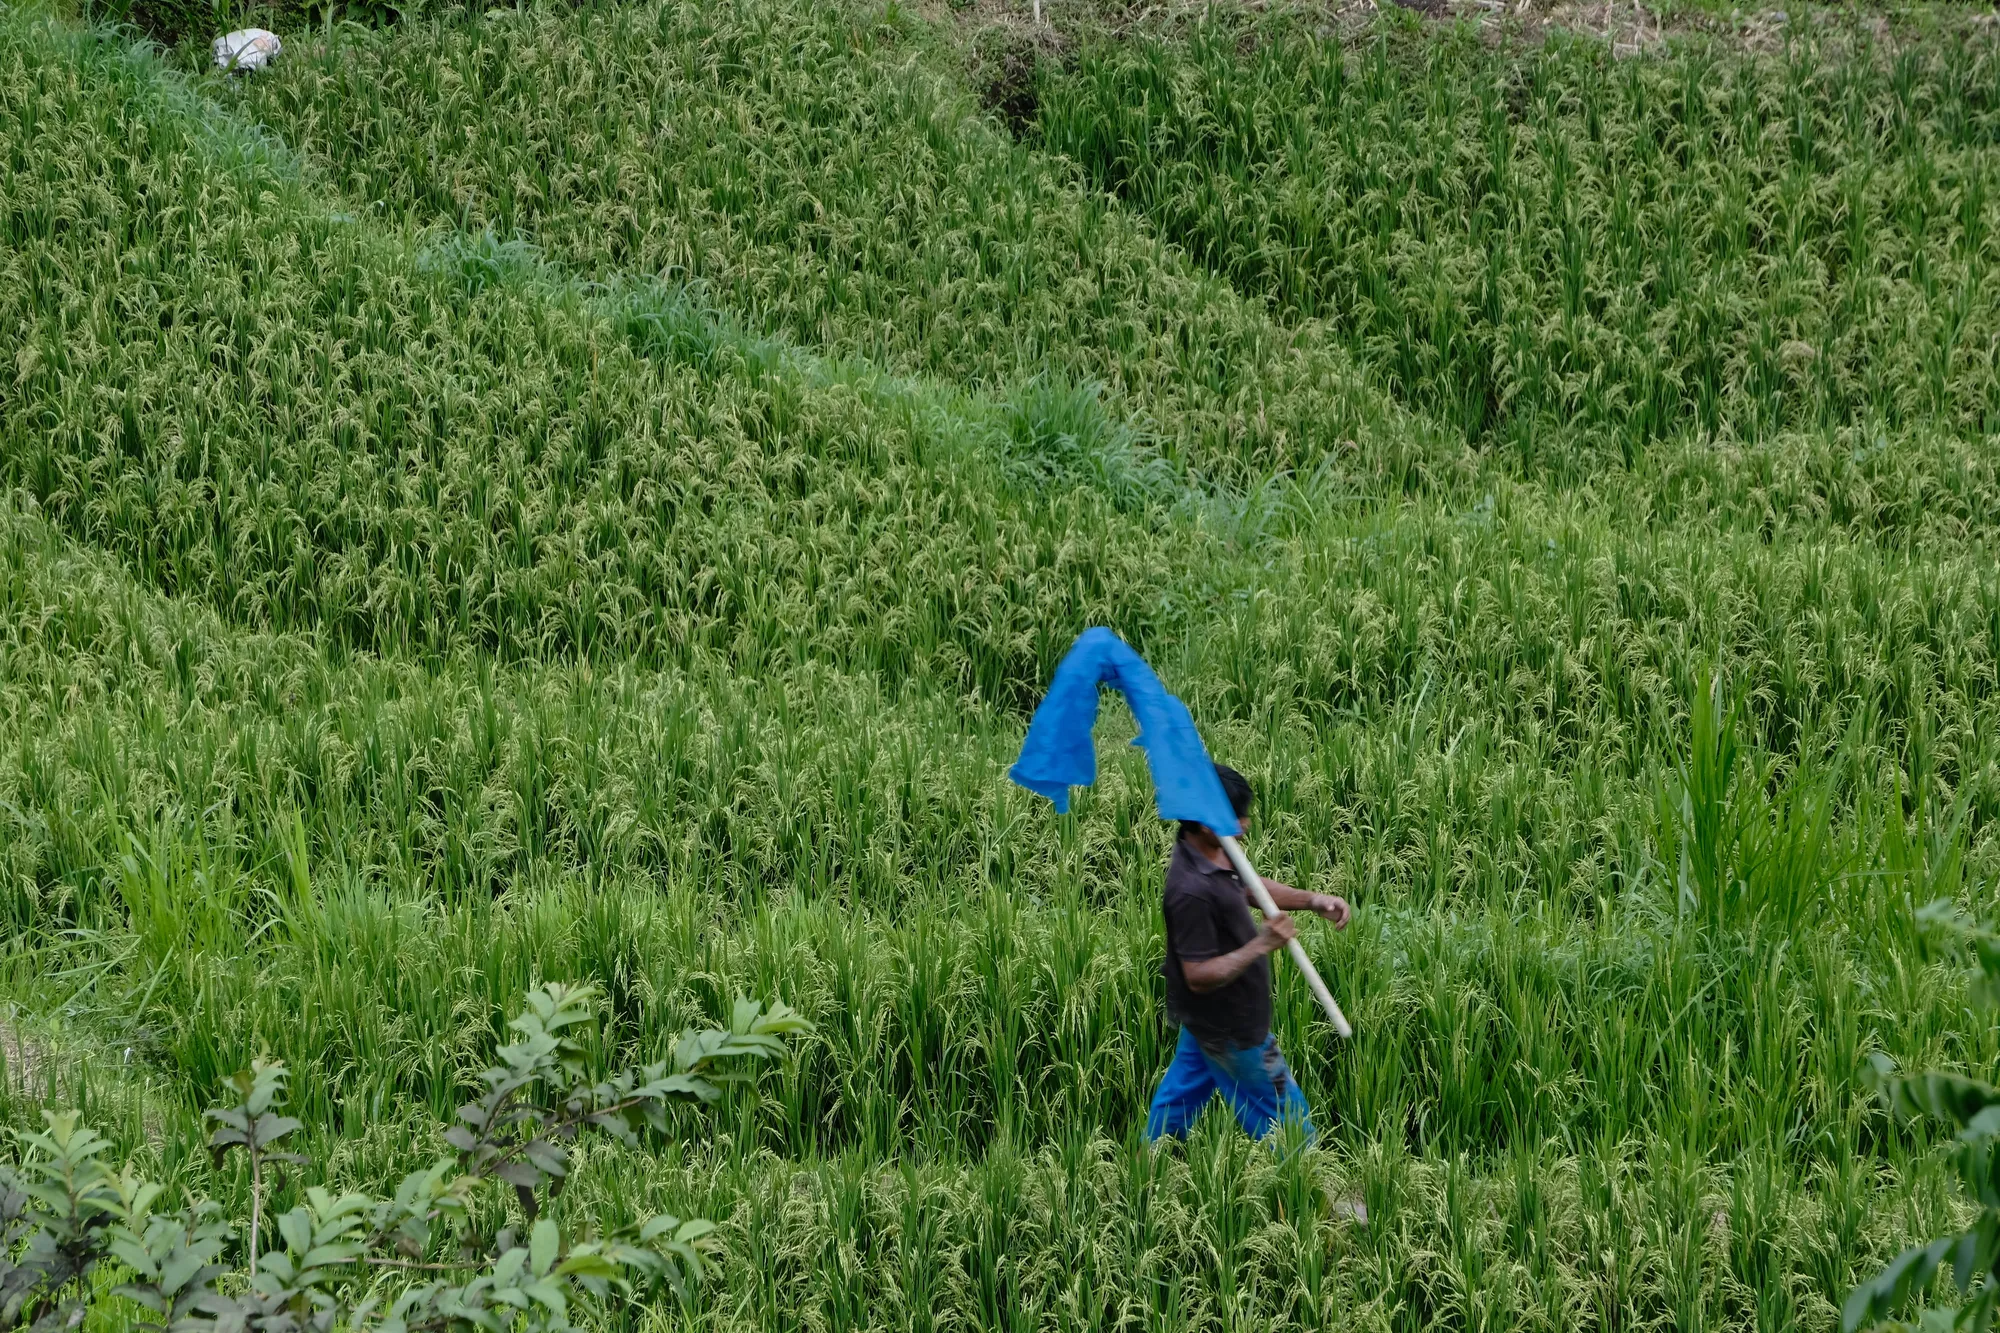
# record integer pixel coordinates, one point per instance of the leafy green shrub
(434, 1255)
(1969, 1109)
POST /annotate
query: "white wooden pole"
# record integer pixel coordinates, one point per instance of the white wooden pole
(1255, 883)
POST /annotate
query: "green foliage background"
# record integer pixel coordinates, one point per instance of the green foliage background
(593, 492)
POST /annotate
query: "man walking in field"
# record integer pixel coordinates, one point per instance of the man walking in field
(1218, 971)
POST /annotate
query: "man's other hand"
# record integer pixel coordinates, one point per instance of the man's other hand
(1329, 907)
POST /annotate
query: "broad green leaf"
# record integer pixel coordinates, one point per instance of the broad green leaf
(543, 1243)
(1951, 1098)
(296, 1227)
(1889, 1291)
(1972, 1257)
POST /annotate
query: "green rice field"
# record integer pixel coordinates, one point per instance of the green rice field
(594, 491)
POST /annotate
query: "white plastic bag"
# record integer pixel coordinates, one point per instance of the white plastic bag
(246, 49)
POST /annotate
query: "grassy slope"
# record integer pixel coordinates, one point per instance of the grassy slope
(1574, 257)
(817, 168)
(1459, 708)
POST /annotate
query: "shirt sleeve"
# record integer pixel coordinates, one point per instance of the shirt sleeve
(1191, 927)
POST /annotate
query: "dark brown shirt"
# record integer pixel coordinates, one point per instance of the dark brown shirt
(1207, 916)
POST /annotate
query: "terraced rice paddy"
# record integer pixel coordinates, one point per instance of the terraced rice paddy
(594, 492)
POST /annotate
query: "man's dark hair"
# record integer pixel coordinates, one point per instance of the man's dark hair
(1236, 787)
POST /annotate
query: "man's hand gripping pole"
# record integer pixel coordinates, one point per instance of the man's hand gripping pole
(1255, 883)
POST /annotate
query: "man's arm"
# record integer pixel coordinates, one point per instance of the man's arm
(1206, 974)
(1289, 899)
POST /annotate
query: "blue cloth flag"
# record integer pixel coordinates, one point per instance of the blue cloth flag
(1059, 754)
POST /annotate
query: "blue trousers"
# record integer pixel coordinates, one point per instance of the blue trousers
(1256, 1083)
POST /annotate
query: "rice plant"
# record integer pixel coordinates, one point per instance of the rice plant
(1558, 253)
